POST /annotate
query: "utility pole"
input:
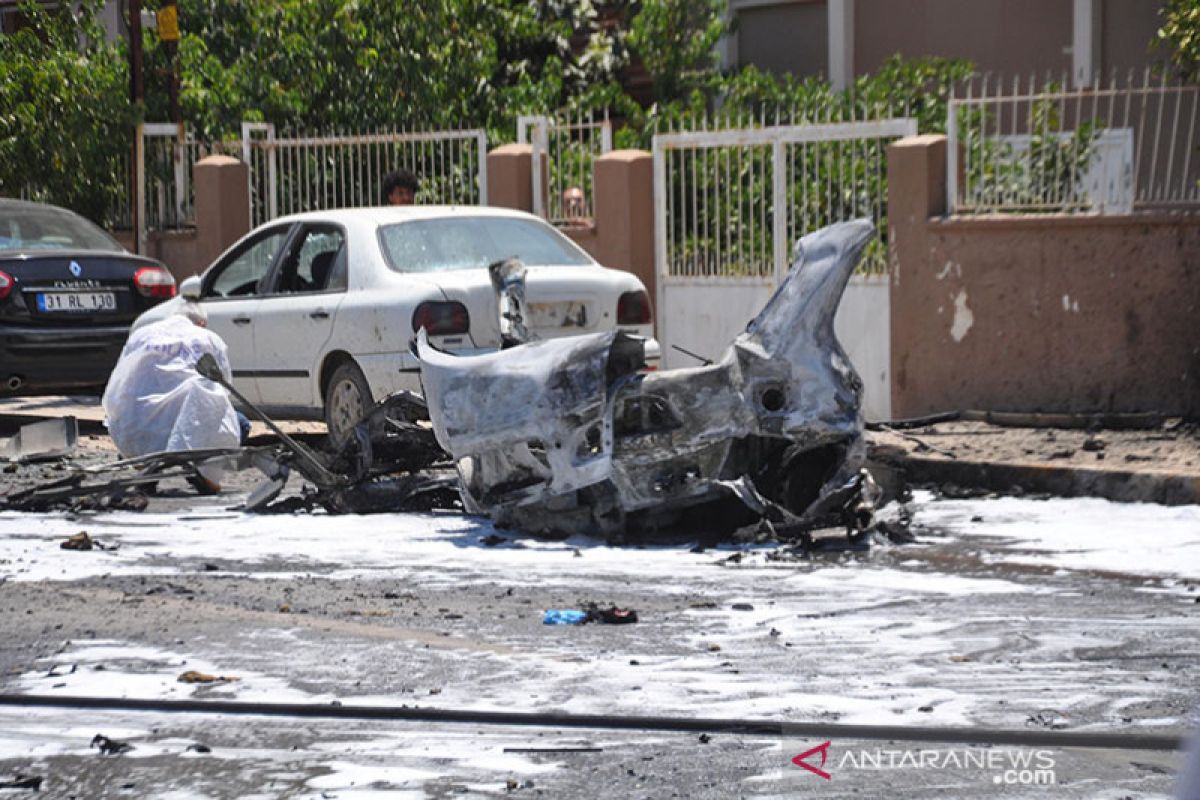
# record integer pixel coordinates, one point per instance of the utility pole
(137, 93)
(168, 33)
(167, 23)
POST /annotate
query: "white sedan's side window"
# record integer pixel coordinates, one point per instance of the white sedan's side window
(239, 277)
(310, 265)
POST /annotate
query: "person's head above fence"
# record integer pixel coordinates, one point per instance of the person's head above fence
(400, 188)
(195, 312)
(574, 203)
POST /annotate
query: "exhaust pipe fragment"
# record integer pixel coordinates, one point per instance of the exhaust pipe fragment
(14, 382)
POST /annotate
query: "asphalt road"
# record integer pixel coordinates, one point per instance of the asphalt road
(1011, 613)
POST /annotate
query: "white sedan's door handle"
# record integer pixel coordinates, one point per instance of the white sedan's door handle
(320, 313)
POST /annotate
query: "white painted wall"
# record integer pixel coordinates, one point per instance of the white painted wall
(705, 318)
(864, 327)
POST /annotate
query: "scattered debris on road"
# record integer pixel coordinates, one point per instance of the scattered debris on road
(120, 485)
(192, 676)
(42, 441)
(19, 781)
(1047, 718)
(590, 613)
(109, 747)
(389, 463)
(82, 541)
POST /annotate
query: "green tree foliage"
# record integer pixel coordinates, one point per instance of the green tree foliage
(353, 65)
(65, 117)
(1180, 33)
(677, 42)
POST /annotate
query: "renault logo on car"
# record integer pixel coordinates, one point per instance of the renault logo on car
(76, 270)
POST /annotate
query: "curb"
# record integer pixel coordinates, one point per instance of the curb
(1164, 488)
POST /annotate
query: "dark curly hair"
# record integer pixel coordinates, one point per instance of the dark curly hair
(399, 179)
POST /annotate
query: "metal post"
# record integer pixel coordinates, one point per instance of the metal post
(481, 138)
(540, 145)
(272, 173)
(139, 183)
(658, 153)
(179, 151)
(779, 211)
(137, 93)
(951, 157)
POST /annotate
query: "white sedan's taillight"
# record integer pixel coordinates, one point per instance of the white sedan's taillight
(441, 319)
(154, 282)
(633, 308)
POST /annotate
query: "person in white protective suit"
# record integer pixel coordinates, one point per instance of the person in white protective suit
(156, 400)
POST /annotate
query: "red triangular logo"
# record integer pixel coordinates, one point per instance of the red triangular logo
(800, 762)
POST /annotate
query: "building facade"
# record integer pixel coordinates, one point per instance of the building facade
(844, 38)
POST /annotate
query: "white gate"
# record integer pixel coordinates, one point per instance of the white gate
(729, 207)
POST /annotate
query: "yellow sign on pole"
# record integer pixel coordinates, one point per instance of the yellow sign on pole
(168, 23)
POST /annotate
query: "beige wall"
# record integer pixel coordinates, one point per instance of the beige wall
(790, 37)
(1037, 313)
(1126, 29)
(1007, 36)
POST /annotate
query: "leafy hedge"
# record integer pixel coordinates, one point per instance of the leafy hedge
(65, 117)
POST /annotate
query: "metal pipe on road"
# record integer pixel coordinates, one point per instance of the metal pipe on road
(762, 727)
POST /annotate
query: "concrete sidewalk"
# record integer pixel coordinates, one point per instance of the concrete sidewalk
(17, 411)
(1156, 465)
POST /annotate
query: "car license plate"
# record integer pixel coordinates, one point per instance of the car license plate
(77, 301)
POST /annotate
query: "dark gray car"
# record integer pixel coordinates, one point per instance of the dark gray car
(68, 293)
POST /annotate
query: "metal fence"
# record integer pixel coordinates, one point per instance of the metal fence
(298, 174)
(167, 161)
(291, 175)
(1029, 146)
(163, 166)
(570, 146)
(731, 203)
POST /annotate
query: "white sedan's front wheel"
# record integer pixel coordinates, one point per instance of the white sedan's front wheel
(347, 398)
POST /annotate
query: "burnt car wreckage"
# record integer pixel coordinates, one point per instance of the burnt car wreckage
(571, 435)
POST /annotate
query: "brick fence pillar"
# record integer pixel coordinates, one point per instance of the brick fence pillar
(509, 184)
(624, 214)
(916, 192)
(222, 187)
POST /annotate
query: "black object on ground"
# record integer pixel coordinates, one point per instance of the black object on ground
(109, 747)
(611, 615)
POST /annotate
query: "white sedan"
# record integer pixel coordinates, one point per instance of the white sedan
(318, 309)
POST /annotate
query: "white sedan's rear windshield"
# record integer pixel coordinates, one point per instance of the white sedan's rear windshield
(435, 245)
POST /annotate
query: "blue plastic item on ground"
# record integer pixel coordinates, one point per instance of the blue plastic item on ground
(564, 616)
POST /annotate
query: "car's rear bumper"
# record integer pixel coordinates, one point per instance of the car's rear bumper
(49, 360)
